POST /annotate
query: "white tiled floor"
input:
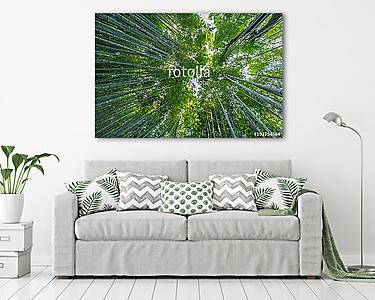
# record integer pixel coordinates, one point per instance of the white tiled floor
(40, 284)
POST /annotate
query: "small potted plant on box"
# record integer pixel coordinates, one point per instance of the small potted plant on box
(14, 174)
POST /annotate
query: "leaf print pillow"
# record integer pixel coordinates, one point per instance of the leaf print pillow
(276, 192)
(96, 195)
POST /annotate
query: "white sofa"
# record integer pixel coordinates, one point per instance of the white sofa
(222, 243)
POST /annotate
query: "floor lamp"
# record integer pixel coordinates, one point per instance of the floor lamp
(336, 119)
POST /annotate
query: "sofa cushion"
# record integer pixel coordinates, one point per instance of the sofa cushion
(242, 225)
(234, 191)
(96, 195)
(139, 191)
(131, 225)
(186, 198)
(276, 192)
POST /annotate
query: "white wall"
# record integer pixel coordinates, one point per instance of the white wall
(47, 101)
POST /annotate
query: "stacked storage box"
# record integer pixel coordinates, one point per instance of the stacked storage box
(16, 241)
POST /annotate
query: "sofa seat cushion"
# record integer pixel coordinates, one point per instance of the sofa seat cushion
(131, 225)
(242, 225)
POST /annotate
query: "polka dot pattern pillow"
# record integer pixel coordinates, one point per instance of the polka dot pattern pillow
(186, 198)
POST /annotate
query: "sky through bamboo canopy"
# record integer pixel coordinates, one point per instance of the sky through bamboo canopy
(191, 75)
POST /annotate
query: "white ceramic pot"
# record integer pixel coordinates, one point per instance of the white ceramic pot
(11, 207)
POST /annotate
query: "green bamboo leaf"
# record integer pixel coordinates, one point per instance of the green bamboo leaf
(32, 159)
(7, 150)
(26, 179)
(39, 167)
(5, 173)
(18, 159)
(39, 156)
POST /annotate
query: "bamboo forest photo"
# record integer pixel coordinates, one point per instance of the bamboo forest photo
(188, 75)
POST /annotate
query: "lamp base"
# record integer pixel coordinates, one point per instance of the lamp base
(361, 269)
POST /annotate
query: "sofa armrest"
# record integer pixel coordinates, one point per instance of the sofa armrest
(309, 211)
(65, 212)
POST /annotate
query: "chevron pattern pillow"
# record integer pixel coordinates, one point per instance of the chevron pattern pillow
(234, 192)
(139, 191)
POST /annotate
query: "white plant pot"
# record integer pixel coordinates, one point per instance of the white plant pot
(11, 207)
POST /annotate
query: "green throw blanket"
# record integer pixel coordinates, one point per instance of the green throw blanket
(335, 268)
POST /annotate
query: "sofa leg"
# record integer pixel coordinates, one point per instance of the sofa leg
(312, 277)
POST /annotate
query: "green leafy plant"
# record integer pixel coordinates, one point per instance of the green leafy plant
(15, 172)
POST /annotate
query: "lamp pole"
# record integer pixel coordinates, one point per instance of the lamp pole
(336, 119)
(350, 268)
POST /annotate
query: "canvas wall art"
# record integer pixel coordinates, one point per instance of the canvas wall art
(189, 75)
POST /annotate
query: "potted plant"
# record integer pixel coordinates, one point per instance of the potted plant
(13, 177)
